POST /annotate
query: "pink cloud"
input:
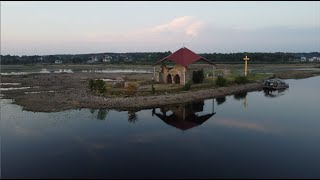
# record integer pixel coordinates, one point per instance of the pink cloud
(195, 28)
(188, 25)
(176, 30)
(242, 125)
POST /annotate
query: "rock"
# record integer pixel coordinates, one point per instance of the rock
(118, 84)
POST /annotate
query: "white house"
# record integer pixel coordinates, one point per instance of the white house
(106, 58)
(93, 60)
(58, 62)
(314, 59)
(303, 59)
(128, 59)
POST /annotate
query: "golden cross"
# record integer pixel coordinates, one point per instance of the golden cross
(245, 65)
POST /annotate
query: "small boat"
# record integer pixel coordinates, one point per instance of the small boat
(275, 84)
(274, 93)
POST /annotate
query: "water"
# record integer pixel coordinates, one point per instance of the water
(117, 71)
(47, 71)
(11, 88)
(248, 135)
(42, 71)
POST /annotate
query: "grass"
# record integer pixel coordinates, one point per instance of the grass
(148, 87)
(145, 88)
(257, 77)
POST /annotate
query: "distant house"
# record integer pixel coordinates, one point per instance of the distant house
(92, 60)
(303, 59)
(314, 59)
(106, 58)
(311, 59)
(58, 61)
(128, 59)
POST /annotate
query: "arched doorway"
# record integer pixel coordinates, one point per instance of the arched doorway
(169, 79)
(176, 79)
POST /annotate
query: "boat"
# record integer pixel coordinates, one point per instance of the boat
(275, 84)
(274, 93)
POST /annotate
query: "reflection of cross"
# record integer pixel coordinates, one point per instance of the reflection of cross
(245, 102)
(246, 59)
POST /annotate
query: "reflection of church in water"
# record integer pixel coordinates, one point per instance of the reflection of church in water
(184, 116)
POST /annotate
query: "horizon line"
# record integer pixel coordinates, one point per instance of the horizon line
(156, 52)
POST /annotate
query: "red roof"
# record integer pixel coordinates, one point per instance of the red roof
(184, 57)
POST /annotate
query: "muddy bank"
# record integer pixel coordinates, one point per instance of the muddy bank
(57, 92)
(57, 101)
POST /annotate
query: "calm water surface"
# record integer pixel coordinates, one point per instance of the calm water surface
(48, 71)
(249, 135)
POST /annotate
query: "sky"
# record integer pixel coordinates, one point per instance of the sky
(44, 28)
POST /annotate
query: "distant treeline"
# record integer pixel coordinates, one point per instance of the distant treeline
(152, 57)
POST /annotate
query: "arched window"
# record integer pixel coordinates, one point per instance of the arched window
(169, 79)
(176, 79)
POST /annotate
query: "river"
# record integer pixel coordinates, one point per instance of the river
(248, 135)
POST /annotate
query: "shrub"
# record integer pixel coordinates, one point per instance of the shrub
(97, 85)
(198, 76)
(100, 86)
(241, 80)
(118, 84)
(221, 81)
(116, 93)
(131, 88)
(187, 86)
(91, 84)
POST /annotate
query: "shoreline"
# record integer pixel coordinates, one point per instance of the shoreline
(131, 103)
(53, 92)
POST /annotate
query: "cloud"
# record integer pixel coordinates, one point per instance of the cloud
(177, 29)
(252, 126)
(241, 124)
(198, 35)
(188, 25)
(161, 37)
(194, 28)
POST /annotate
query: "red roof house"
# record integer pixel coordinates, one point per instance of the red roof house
(184, 57)
(181, 73)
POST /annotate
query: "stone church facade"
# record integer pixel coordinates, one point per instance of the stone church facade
(180, 73)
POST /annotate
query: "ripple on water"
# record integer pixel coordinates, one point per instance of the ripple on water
(13, 84)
